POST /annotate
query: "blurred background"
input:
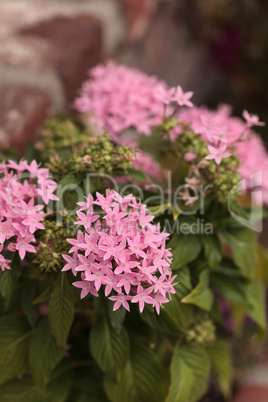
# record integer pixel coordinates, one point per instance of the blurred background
(217, 48)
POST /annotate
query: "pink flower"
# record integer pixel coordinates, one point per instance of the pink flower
(252, 119)
(120, 299)
(190, 156)
(33, 222)
(183, 98)
(121, 250)
(22, 187)
(4, 263)
(165, 95)
(23, 245)
(121, 98)
(218, 153)
(142, 297)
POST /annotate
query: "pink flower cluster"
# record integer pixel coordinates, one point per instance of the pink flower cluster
(224, 132)
(121, 250)
(22, 185)
(120, 97)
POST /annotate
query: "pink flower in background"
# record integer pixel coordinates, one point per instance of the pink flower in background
(22, 187)
(164, 94)
(252, 119)
(127, 255)
(183, 98)
(218, 153)
(190, 156)
(118, 98)
(235, 134)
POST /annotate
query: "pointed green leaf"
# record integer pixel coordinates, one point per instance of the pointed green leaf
(61, 308)
(221, 359)
(143, 379)
(190, 369)
(174, 316)
(44, 296)
(14, 346)
(257, 300)
(109, 348)
(185, 249)
(232, 289)
(201, 295)
(137, 175)
(27, 296)
(117, 317)
(159, 209)
(243, 245)
(45, 353)
(9, 279)
(212, 249)
(25, 390)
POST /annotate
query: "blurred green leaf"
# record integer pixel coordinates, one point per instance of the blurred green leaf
(14, 346)
(109, 347)
(61, 308)
(221, 358)
(45, 353)
(190, 369)
(185, 249)
(201, 295)
(143, 379)
(212, 249)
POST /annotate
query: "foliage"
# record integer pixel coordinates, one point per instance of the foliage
(55, 346)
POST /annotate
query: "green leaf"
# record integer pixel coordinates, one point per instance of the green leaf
(174, 316)
(27, 296)
(201, 295)
(262, 264)
(232, 289)
(243, 245)
(190, 369)
(184, 285)
(117, 317)
(142, 380)
(70, 178)
(9, 279)
(185, 249)
(212, 249)
(109, 348)
(25, 390)
(61, 309)
(137, 175)
(158, 209)
(44, 296)
(256, 298)
(221, 359)
(45, 353)
(14, 346)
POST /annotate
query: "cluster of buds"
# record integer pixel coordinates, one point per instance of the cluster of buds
(98, 154)
(203, 333)
(52, 242)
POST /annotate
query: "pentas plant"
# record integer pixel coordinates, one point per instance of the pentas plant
(122, 251)
(22, 187)
(128, 290)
